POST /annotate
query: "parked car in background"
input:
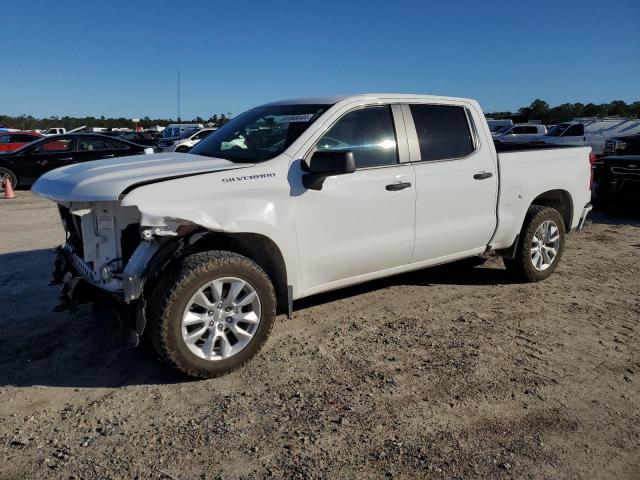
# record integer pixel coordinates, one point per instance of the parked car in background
(298, 197)
(10, 141)
(24, 165)
(520, 133)
(568, 133)
(616, 182)
(141, 138)
(623, 145)
(185, 142)
(499, 126)
(174, 130)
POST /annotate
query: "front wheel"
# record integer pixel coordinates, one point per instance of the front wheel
(540, 245)
(211, 312)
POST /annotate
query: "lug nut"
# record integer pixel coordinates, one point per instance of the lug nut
(228, 309)
(229, 319)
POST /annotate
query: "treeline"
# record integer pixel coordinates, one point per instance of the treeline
(540, 110)
(27, 122)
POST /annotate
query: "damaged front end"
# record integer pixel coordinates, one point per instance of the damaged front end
(108, 257)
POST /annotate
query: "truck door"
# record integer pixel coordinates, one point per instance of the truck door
(456, 181)
(362, 222)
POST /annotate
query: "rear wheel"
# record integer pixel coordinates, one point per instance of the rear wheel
(211, 312)
(6, 174)
(540, 245)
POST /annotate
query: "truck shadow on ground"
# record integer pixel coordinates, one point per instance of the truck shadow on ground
(82, 349)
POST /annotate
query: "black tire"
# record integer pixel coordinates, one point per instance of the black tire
(172, 294)
(521, 266)
(4, 173)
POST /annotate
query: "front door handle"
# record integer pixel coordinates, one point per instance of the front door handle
(394, 187)
(483, 175)
(66, 159)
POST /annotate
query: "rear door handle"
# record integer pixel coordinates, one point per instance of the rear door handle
(66, 159)
(483, 175)
(393, 187)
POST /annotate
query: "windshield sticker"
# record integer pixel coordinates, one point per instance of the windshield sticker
(248, 177)
(305, 117)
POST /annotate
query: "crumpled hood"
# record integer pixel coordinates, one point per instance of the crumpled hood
(105, 180)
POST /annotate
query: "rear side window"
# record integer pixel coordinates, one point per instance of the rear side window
(368, 133)
(443, 131)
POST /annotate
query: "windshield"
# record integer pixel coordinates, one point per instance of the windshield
(557, 130)
(259, 134)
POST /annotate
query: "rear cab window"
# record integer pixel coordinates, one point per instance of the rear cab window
(443, 132)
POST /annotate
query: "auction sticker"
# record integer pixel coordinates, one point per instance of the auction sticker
(305, 117)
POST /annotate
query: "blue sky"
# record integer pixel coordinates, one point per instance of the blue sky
(117, 58)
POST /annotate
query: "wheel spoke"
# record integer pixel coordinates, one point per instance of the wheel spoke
(192, 318)
(240, 333)
(234, 290)
(545, 257)
(224, 345)
(247, 299)
(247, 317)
(194, 336)
(216, 289)
(201, 299)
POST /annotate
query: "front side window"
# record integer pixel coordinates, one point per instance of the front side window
(368, 133)
(443, 132)
(259, 134)
(5, 139)
(558, 130)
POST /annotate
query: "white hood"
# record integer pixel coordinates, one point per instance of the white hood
(105, 180)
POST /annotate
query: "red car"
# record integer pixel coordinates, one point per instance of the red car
(13, 140)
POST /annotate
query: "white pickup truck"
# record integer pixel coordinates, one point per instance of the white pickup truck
(298, 197)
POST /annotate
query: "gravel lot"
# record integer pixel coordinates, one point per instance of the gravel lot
(453, 372)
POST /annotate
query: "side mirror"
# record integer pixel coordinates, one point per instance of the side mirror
(327, 164)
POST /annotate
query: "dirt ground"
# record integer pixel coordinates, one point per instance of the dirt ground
(452, 372)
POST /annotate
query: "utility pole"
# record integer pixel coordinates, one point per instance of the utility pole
(178, 95)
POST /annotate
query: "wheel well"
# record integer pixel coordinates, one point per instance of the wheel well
(258, 248)
(561, 201)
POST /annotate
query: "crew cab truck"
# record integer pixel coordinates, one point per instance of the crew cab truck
(298, 197)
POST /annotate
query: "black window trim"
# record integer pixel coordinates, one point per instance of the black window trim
(307, 156)
(412, 133)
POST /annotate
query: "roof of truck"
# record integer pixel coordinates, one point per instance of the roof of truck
(332, 99)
